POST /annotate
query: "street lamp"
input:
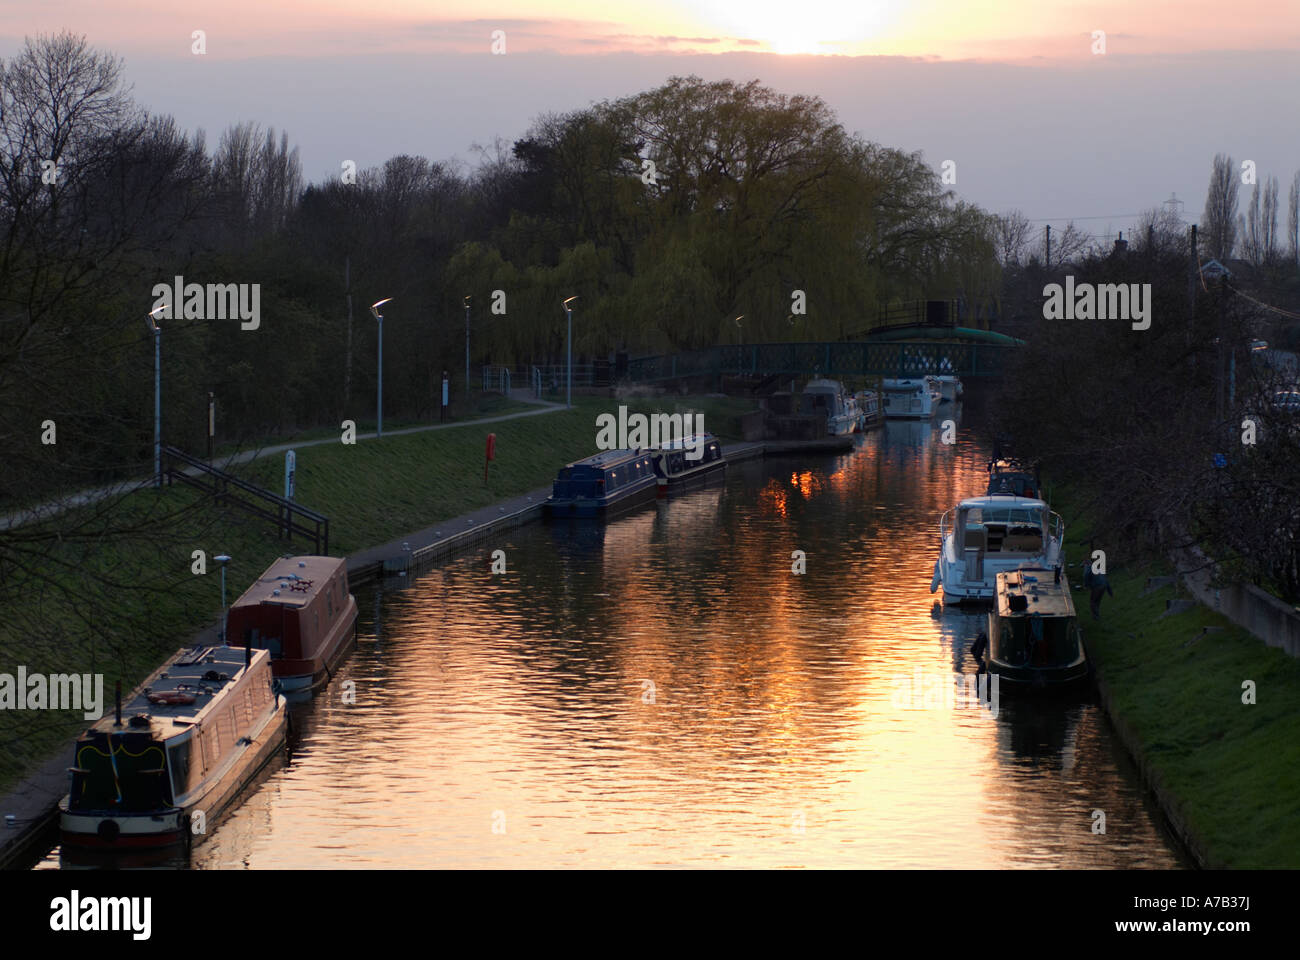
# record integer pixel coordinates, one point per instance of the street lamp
(568, 312)
(740, 354)
(223, 560)
(374, 309)
(152, 320)
(468, 298)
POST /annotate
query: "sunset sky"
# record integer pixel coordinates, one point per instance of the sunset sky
(1011, 90)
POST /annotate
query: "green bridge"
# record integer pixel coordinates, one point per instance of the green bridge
(972, 356)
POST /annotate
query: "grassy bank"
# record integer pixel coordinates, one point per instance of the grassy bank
(1234, 768)
(118, 606)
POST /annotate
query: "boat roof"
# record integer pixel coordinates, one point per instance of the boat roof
(290, 581)
(1038, 586)
(203, 670)
(692, 440)
(1000, 500)
(911, 383)
(608, 458)
(822, 385)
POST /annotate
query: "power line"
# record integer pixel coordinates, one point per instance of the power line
(1113, 216)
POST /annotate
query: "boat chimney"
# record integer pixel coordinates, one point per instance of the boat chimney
(1058, 573)
(117, 696)
(248, 651)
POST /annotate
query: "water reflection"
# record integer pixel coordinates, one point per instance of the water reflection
(663, 690)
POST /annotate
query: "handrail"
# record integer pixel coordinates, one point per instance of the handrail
(283, 518)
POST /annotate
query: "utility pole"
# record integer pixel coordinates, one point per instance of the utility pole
(1048, 233)
(347, 352)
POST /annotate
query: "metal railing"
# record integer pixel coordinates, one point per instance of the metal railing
(899, 358)
(288, 517)
(496, 379)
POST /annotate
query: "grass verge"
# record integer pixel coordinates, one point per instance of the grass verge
(1233, 767)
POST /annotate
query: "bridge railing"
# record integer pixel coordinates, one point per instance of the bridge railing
(831, 359)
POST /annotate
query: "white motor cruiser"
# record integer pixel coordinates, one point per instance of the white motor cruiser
(912, 399)
(985, 536)
(831, 399)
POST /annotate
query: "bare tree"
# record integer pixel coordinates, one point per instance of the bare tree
(1293, 220)
(1268, 245)
(1067, 244)
(1251, 226)
(1219, 222)
(1159, 229)
(1012, 237)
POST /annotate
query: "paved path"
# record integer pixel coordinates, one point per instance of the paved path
(55, 507)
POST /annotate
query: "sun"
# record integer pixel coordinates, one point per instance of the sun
(802, 26)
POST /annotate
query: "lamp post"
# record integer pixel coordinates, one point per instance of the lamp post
(223, 560)
(152, 320)
(374, 309)
(568, 312)
(468, 298)
(740, 354)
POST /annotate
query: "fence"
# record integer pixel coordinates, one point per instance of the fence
(288, 517)
(889, 359)
(496, 380)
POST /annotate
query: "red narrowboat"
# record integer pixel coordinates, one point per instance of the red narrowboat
(300, 610)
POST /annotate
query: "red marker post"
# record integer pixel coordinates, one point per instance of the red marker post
(491, 454)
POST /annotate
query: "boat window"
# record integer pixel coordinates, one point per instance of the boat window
(1039, 641)
(133, 778)
(185, 773)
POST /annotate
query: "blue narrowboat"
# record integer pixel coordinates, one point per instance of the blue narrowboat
(603, 484)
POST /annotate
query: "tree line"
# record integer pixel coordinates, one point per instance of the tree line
(668, 213)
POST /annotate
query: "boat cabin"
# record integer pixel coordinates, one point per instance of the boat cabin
(1032, 623)
(1013, 478)
(599, 476)
(671, 460)
(294, 609)
(1003, 525)
(175, 732)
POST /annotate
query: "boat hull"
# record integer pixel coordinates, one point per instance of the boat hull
(669, 486)
(1024, 679)
(308, 676)
(590, 508)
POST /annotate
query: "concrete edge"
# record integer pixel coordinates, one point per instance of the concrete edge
(1151, 778)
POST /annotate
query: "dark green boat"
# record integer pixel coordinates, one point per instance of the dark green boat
(1034, 639)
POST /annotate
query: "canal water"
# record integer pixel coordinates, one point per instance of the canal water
(665, 691)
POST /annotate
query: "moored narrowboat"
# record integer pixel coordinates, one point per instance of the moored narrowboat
(601, 485)
(676, 470)
(1034, 641)
(1013, 478)
(194, 735)
(299, 610)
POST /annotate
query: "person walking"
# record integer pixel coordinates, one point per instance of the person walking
(1097, 585)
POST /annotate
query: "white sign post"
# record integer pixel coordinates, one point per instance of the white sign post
(290, 463)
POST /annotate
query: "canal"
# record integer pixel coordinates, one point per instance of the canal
(665, 691)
